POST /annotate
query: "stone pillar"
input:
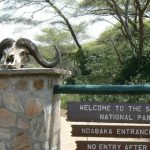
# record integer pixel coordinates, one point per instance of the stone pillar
(29, 112)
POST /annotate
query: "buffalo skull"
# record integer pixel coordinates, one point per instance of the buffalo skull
(15, 54)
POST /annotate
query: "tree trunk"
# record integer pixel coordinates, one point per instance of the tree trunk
(113, 5)
(67, 23)
(141, 36)
(141, 31)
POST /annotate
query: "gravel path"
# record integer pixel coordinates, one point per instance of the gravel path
(66, 139)
(68, 142)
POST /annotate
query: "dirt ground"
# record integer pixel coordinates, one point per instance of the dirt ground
(68, 142)
(66, 139)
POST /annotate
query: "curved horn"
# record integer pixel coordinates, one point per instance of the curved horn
(4, 44)
(32, 49)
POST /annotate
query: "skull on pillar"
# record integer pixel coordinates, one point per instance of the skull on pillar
(15, 54)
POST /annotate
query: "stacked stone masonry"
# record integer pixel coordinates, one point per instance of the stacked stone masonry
(27, 109)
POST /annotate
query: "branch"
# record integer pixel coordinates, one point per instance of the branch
(141, 30)
(102, 19)
(117, 52)
(146, 5)
(67, 23)
(127, 12)
(58, 22)
(33, 13)
(117, 9)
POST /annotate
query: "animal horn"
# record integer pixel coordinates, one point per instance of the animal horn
(4, 44)
(33, 51)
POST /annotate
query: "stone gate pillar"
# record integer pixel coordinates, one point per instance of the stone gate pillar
(29, 112)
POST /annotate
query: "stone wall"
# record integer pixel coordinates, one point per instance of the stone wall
(29, 112)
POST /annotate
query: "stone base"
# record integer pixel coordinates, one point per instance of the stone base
(29, 112)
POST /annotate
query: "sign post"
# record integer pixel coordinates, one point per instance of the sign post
(110, 113)
(116, 131)
(105, 145)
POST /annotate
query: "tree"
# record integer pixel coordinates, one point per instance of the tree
(110, 59)
(104, 65)
(130, 15)
(40, 6)
(51, 36)
(59, 13)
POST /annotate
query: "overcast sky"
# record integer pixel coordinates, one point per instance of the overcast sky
(15, 32)
(12, 31)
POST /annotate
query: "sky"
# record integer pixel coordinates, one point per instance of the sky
(10, 31)
(15, 31)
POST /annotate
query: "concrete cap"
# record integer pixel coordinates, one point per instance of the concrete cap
(34, 71)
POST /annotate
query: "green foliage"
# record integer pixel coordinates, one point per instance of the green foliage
(68, 98)
(113, 39)
(133, 72)
(101, 64)
(107, 60)
(101, 59)
(80, 30)
(116, 98)
(51, 36)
